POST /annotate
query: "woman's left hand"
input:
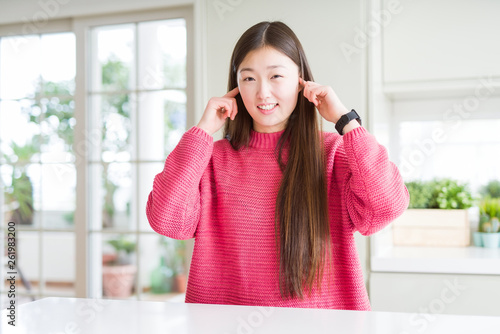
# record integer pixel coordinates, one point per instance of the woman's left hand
(325, 100)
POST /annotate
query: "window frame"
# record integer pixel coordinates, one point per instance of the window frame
(82, 27)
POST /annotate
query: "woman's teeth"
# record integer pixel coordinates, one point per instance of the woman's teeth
(267, 106)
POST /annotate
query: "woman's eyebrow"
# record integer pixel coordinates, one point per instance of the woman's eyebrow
(269, 68)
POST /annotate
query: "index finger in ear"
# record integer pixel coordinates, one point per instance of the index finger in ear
(233, 92)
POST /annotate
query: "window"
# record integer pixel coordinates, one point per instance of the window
(448, 138)
(462, 151)
(37, 163)
(137, 100)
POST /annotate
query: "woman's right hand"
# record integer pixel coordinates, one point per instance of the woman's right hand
(217, 110)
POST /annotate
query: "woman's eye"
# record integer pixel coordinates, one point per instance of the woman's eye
(276, 76)
(249, 79)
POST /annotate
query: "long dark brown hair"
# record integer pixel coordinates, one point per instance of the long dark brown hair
(302, 224)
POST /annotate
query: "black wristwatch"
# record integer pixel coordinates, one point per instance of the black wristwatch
(345, 119)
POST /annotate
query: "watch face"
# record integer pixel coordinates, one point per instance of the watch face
(353, 114)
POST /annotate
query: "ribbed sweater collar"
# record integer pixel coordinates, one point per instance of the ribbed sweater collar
(264, 140)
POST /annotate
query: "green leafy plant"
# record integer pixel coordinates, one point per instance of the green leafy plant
(124, 249)
(420, 194)
(439, 194)
(174, 252)
(19, 194)
(450, 194)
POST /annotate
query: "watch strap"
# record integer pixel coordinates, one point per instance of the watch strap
(345, 119)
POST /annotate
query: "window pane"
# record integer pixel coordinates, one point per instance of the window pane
(452, 153)
(147, 173)
(110, 197)
(59, 195)
(113, 68)
(162, 122)
(175, 116)
(162, 54)
(116, 127)
(118, 186)
(28, 260)
(57, 129)
(20, 66)
(58, 60)
(119, 265)
(58, 263)
(19, 131)
(156, 277)
(22, 194)
(163, 267)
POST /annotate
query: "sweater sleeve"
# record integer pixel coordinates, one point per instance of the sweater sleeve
(374, 190)
(173, 207)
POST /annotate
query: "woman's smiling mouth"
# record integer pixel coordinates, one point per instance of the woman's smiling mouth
(267, 108)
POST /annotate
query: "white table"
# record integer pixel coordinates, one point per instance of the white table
(73, 315)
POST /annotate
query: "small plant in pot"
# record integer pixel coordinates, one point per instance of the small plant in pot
(118, 272)
(179, 266)
(489, 225)
(170, 275)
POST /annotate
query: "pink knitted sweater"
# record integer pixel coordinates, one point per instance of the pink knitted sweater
(226, 199)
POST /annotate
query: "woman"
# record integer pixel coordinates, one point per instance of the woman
(273, 207)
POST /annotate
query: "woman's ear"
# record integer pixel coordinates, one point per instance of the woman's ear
(301, 84)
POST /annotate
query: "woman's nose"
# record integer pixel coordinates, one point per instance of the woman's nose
(264, 90)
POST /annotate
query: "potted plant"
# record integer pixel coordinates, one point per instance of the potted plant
(437, 215)
(489, 225)
(179, 266)
(118, 271)
(19, 195)
(161, 278)
(170, 275)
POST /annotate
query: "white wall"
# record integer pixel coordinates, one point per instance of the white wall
(442, 40)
